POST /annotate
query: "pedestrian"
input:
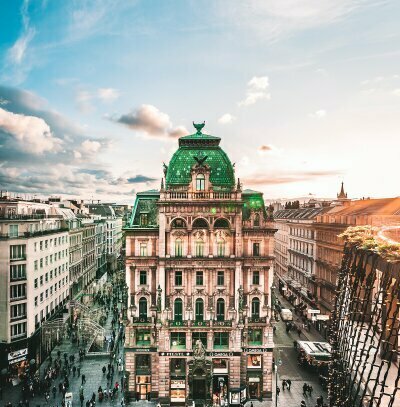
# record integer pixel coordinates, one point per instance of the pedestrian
(303, 403)
(251, 404)
(104, 370)
(320, 401)
(283, 384)
(79, 370)
(82, 399)
(289, 383)
(73, 371)
(299, 331)
(278, 390)
(83, 379)
(310, 390)
(305, 388)
(54, 390)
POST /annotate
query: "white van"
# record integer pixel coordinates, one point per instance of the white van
(286, 314)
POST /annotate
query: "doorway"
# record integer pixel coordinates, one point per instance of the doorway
(199, 385)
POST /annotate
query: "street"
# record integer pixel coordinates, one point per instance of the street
(289, 367)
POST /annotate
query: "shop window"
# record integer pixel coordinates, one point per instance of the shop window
(255, 337)
(220, 278)
(256, 249)
(220, 366)
(178, 310)
(178, 367)
(257, 220)
(143, 277)
(143, 337)
(254, 361)
(178, 340)
(202, 336)
(220, 309)
(142, 363)
(199, 278)
(256, 277)
(143, 308)
(178, 248)
(200, 182)
(199, 310)
(178, 278)
(255, 308)
(199, 246)
(221, 340)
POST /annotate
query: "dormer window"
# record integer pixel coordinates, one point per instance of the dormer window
(257, 220)
(200, 182)
(144, 220)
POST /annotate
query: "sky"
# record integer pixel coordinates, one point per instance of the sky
(304, 94)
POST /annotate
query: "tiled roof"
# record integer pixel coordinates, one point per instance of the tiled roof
(300, 214)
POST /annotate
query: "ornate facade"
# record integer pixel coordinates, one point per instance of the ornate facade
(199, 266)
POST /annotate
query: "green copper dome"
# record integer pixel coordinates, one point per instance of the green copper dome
(204, 148)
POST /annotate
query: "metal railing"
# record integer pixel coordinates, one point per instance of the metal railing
(186, 195)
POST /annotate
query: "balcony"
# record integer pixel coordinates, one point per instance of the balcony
(257, 320)
(141, 320)
(197, 324)
(206, 195)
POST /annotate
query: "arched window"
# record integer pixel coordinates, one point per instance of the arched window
(178, 223)
(221, 247)
(255, 308)
(220, 309)
(200, 223)
(199, 310)
(178, 247)
(257, 219)
(221, 223)
(199, 246)
(178, 309)
(143, 308)
(200, 182)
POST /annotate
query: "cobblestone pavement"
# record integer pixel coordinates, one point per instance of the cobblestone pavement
(91, 367)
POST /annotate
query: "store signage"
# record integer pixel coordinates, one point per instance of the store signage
(223, 354)
(178, 384)
(146, 350)
(314, 311)
(254, 379)
(323, 317)
(175, 353)
(284, 288)
(257, 350)
(17, 356)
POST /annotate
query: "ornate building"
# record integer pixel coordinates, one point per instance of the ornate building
(199, 266)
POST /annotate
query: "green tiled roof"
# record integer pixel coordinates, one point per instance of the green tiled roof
(253, 200)
(200, 145)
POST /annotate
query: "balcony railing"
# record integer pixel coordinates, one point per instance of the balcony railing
(186, 195)
(257, 320)
(141, 320)
(205, 323)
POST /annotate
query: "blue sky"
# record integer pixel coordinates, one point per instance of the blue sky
(304, 93)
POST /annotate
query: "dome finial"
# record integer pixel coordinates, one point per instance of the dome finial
(199, 126)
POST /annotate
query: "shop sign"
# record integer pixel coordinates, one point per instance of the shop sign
(313, 311)
(223, 354)
(254, 379)
(17, 356)
(257, 350)
(284, 288)
(323, 317)
(175, 353)
(178, 384)
(234, 398)
(146, 350)
(243, 395)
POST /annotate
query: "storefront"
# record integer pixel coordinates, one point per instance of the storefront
(220, 381)
(254, 376)
(178, 381)
(143, 377)
(18, 365)
(237, 396)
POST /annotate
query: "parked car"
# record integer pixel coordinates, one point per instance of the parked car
(286, 314)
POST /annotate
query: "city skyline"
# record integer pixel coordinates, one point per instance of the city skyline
(303, 94)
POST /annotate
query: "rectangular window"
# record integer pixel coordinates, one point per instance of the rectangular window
(41, 297)
(256, 249)
(41, 263)
(199, 246)
(18, 272)
(18, 330)
(143, 277)
(51, 258)
(143, 337)
(36, 301)
(46, 279)
(178, 277)
(36, 283)
(143, 249)
(144, 219)
(17, 291)
(199, 278)
(18, 252)
(41, 280)
(18, 311)
(47, 293)
(51, 274)
(46, 244)
(255, 337)
(178, 340)
(221, 248)
(35, 265)
(202, 336)
(256, 277)
(13, 231)
(41, 245)
(220, 278)
(254, 361)
(221, 340)
(35, 246)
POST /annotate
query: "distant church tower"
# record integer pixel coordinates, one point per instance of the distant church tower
(342, 196)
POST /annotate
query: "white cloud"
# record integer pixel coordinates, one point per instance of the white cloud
(17, 52)
(107, 94)
(31, 133)
(150, 121)
(226, 118)
(90, 146)
(318, 114)
(257, 89)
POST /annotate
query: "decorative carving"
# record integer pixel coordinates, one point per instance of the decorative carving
(178, 233)
(241, 299)
(199, 234)
(199, 351)
(222, 234)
